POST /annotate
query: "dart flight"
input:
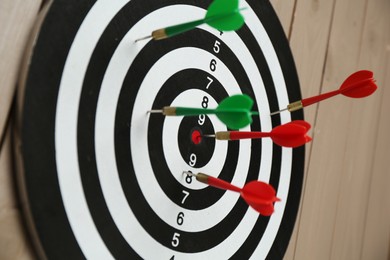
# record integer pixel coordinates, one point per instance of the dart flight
(259, 195)
(292, 134)
(223, 15)
(235, 111)
(358, 85)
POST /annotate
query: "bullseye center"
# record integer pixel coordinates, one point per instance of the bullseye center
(194, 148)
(196, 136)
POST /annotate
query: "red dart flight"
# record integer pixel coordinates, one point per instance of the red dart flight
(292, 134)
(358, 85)
(259, 195)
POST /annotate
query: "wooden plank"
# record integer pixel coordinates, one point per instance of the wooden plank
(376, 243)
(16, 21)
(13, 241)
(363, 123)
(377, 226)
(326, 159)
(336, 189)
(285, 10)
(309, 39)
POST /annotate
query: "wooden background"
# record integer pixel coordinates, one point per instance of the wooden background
(345, 207)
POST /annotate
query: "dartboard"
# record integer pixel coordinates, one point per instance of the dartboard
(103, 178)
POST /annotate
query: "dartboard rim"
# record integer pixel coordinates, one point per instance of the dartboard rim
(285, 230)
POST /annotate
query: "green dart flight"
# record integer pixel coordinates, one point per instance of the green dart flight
(223, 15)
(235, 111)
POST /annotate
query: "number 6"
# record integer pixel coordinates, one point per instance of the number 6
(213, 65)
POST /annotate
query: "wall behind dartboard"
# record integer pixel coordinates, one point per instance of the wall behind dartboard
(345, 207)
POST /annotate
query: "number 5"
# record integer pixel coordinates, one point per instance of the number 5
(175, 239)
(216, 47)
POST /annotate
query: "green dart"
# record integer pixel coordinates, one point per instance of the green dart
(223, 15)
(235, 111)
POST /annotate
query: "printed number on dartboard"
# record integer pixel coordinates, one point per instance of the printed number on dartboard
(213, 67)
(201, 121)
(180, 219)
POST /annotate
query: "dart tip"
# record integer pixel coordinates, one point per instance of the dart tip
(210, 136)
(153, 111)
(277, 112)
(189, 173)
(143, 38)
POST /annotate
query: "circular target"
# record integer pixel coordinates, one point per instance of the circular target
(103, 177)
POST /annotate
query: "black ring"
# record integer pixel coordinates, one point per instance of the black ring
(39, 126)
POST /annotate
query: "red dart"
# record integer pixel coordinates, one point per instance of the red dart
(259, 195)
(358, 85)
(292, 134)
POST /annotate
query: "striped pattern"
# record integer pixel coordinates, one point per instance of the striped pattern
(345, 208)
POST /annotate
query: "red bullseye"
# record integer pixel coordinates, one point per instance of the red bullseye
(196, 137)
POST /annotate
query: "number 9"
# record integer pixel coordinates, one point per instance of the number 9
(202, 119)
(192, 160)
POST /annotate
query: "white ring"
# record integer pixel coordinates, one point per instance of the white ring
(173, 157)
(166, 209)
(66, 129)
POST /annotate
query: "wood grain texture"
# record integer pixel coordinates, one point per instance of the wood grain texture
(360, 143)
(325, 174)
(376, 240)
(285, 10)
(350, 190)
(16, 21)
(345, 207)
(309, 41)
(376, 235)
(338, 174)
(13, 239)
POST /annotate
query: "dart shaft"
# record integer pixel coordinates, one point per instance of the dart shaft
(180, 28)
(221, 184)
(306, 102)
(315, 99)
(184, 27)
(237, 135)
(182, 111)
(344, 88)
(188, 111)
(216, 183)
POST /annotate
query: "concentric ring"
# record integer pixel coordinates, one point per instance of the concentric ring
(96, 114)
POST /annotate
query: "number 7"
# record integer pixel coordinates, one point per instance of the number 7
(186, 194)
(210, 81)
